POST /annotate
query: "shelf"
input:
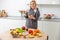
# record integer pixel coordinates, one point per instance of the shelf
(47, 4)
(13, 17)
(22, 18)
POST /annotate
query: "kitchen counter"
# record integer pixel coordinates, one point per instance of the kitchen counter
(40, 19)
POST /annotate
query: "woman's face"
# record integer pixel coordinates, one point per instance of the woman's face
(33, 5)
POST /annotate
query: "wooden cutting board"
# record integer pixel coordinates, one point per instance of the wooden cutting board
(8, 36)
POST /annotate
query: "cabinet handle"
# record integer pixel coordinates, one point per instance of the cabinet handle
(47, 37)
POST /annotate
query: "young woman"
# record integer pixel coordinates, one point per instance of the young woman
(32, 16)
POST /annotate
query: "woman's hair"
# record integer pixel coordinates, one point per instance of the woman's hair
(34, 2)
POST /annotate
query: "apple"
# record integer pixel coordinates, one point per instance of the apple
(23, 27)
(30, 31)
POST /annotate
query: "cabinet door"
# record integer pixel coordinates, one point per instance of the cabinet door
(3, 25)
(40, 23)
(16, 23)
(52, 29)
(7, 24)
(23, 22)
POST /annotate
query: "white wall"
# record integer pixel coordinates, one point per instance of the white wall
(45, 1)
(53, 9)
(48, 1)
(12, 7)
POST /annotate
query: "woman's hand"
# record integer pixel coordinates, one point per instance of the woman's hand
(23, 11)
(31, 17)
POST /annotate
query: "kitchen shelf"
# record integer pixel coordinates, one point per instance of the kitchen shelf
(47, 4)
(13, 17)
(40, 19)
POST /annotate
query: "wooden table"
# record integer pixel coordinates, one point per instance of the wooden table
(7, 36)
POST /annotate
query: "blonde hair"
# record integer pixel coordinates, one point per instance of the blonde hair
(34, 2)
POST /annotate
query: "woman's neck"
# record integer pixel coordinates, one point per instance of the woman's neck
(33, 9)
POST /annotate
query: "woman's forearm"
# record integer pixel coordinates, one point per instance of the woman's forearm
(26, 15)
(36, 17)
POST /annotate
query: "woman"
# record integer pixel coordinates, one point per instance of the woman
(32, 16)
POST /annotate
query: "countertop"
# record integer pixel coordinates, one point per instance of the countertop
(40, 19)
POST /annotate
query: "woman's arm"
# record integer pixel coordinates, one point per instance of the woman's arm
(36, 16)
(26, 15)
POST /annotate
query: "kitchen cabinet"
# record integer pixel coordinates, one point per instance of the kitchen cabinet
(40, 24)
(7, 24)
(52, 29)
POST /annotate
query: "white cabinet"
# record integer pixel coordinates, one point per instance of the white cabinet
(40, 24)
(7, 24)
(52, 29)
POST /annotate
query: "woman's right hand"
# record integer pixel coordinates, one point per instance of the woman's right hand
(24, 14)
(23, 11)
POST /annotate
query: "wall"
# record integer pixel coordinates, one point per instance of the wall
(47, 1)
(53, 9)
(13, 6)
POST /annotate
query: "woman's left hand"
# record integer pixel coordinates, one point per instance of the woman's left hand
(31, 17)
